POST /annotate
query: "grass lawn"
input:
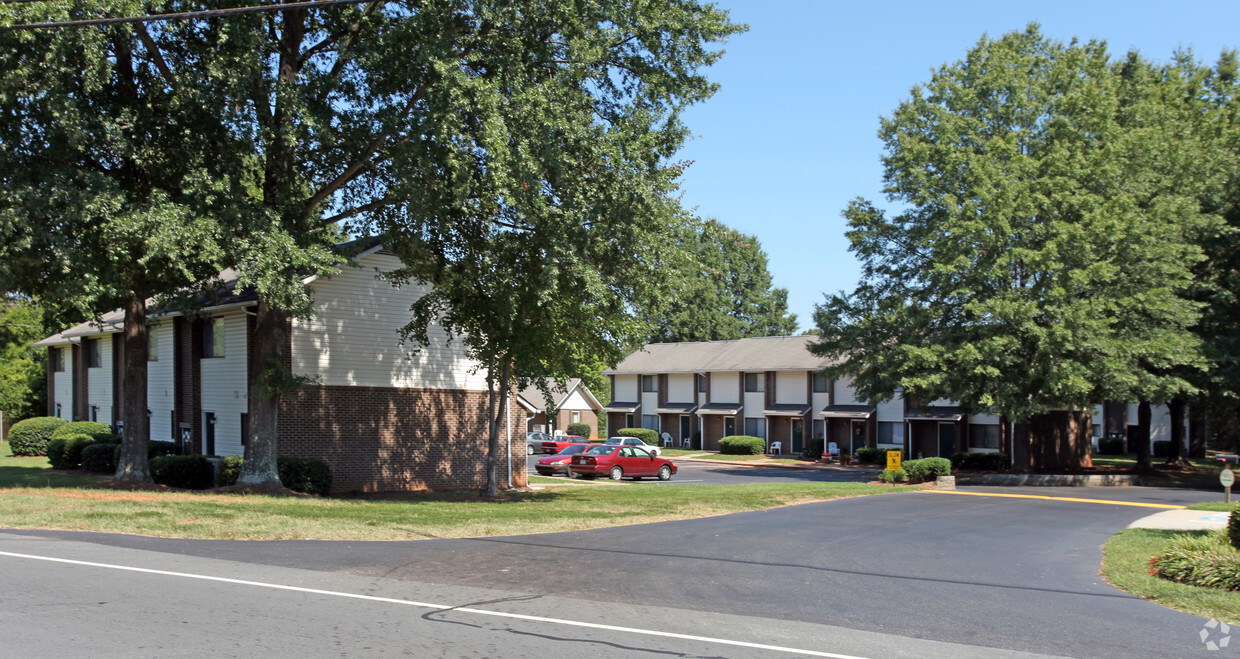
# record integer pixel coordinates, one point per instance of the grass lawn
(1202, 475)
(33, 498)
(1216, 506)
(1125, 564)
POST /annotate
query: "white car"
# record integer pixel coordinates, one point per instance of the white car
(632, 441)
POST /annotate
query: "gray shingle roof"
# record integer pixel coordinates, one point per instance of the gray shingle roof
(765, 353)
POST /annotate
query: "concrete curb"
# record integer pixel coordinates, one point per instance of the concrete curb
(1183, 520)
(1076, 480)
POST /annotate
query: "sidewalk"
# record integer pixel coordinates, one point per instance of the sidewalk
(1183, 520)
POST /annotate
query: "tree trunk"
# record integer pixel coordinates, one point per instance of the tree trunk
(1175, 456)
(267, 373)
(1022, 462)
(1143, 436)
(1197, 430)
(499, 410)
(132, 465)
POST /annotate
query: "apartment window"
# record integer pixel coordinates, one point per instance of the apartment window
(888, 433)
(212, 338)
(820, 383)
(92, 353)
(650, 383)
(820, 429)
(701, 383)
(755, 427)
(152, 345)
(628, 420)
(94, 413)
(58, 412)
(650, 421)
(575, 416)
(983, 435)
(754, 382)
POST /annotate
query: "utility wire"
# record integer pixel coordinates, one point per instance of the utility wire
(206, 13)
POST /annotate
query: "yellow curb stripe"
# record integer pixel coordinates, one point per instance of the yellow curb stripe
(1039, 496)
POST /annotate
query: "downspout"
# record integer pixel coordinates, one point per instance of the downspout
(508, 433)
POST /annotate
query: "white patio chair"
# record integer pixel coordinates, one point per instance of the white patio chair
(667, 440)
(777, 447)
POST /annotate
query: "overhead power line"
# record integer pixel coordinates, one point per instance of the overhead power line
(206, 13)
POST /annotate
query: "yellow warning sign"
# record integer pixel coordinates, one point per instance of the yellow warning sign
(893, 460)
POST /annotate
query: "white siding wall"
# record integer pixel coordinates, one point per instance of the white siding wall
(626, 389)
(99, 381)
(649, 401)
(725, 388)
(755, 404)
(1160, 422)
(790, 387)
(680, 388)
(892, 410)
(576, 401)
(224, 385)
(844, 392)
(64, 385)
(159, 384)
(352, 337)
(820, 400)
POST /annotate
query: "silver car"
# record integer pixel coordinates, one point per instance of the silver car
(534, 440)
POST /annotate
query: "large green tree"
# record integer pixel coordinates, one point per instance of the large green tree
(1046, 244)
(545, 208)
(723, 290)
(23, 381)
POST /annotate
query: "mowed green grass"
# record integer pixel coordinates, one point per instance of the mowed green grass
(1125, 564)
(36, 472)
(28, 502)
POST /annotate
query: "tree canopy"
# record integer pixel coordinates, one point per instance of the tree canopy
(1047, 238)
(23, 382)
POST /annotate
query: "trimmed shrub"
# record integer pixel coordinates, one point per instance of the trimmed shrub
(191, 472)
(100, 457)
(927, 469)
(893, 476)
(742, 445)
(1162, 449)
(155, 449)
(91, 428)
(1233, 527)
(645, 434)
(580, 429)
(872, 456)
(980, 461)
(1110, 445)
(30, 437)
(66, 452)
(814, 448)
(1206, 560)
(229, 470)
(309, 475)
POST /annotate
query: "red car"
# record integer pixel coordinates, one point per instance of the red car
(558, 463)
(559, 442)
(617, 462)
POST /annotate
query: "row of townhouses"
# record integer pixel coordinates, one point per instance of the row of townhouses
(383, 418)
(772, 387)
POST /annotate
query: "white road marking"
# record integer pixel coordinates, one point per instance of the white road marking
(438, 607)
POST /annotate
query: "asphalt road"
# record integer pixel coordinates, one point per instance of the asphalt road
(704, 472)
(917, 574)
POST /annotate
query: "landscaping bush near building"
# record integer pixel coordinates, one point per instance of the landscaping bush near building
(927, 469)
(30, 437)
(647, 435)
(191, 472)
(1110, 445)
(65, 452)
(309, 475)
(90, 428)
(1208, 560)
(742, 445)
(815, 446)
(580, 429)
(154, 449)
(1162, 449)
(873, 456)
(980, 461)
(893, 476)
(1233, 527)
(100, 457)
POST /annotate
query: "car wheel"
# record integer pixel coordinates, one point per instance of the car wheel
(616, 473)
(570, 474)
(529, 450)
(665, 473)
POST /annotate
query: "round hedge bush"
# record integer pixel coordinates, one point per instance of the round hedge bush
(66, 452)
(99, 458)
(579, 429)
(91, 428)
(30, 437)
(647, 435)
(742, 445)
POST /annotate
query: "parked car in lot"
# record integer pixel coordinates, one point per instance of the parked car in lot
(634, 442)
(616, 462)
(557, 443)
(558, 463)
(534, 441)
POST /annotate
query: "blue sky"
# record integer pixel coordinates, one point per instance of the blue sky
(791, 136)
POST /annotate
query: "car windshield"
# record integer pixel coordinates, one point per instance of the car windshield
(572, 450)
(614, 441)
(602, 449)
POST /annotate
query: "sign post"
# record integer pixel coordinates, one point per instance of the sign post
(893, 460)
(1227, 477)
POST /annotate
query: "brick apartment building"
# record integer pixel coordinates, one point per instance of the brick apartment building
(572, 403)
